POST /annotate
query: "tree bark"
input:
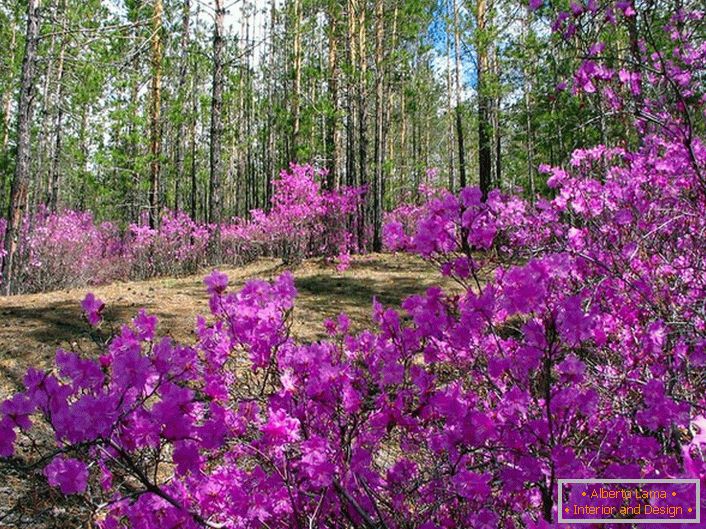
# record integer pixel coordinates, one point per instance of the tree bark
(20, 181)
(362, 121)
(271, 160)
(7, 99)
(497, 130)
(58, 113)
(332, 130)
(528, 106)
(214, 198)
(351, 114)
(296, 93)
(192, 138)
(155, 110)
(484, 147)
(449, 103)
(462, 180)
(181, 95)
(379, 132)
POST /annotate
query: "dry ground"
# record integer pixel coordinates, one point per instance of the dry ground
(33, 326)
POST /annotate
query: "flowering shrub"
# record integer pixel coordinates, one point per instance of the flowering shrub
(304, 220)
(178, 245)
(60, 250)
(69, 249)
(402, 220)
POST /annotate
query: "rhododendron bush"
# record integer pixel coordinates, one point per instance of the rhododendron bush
(59, 250)
(68, 249)
(303, 220)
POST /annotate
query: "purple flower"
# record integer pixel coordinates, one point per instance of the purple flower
(145, 325)
(281, 428)
(93, 308)
(70, 475)
(216, 282)
(7, 437)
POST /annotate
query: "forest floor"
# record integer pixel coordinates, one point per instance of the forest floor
(35, 325)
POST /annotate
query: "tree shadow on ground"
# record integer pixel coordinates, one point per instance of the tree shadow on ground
(346, 291)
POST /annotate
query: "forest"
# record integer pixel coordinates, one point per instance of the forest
(352, 264)
(139, 109)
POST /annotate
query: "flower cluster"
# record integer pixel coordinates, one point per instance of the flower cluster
(59, 250)
(303, 219)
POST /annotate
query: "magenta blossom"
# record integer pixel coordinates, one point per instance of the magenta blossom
(92, 309)
(70, 475)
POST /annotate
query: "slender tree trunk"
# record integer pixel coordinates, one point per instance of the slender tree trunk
(83, 146)
(7, 101)
(192, 138)
(352, 115)
(155, 108)
(387, 105)
(449, 104)
(271, 157)
(403, 134)
(379, 132)
(462, 180)
(181, 96)
(332, 130)
(528, 107)
(55, 173)
(58, 112)
(41, 161)
(296, 93)
(20, 181)
(484, 147)
(134, 201)
(362, 120)
(214, 202)
(497, 130)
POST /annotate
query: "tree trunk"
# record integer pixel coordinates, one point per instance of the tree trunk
(352, 116)
(296, 93)
(155, 107)
(362, 120)
(379, 132)
(528, 108)
(271, 160)
(497, 131)
(332, 130)
(462, 180)
(192, 138)
(20, 181)
(484, 126)
(83, 146)
(58, 112)
(214, 198)
(449, 106)
(7, 101)
(181, 95)
(56, 158)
